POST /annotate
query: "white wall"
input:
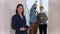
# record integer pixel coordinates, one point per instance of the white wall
(54, 17)
(7, 8)
(2, 30)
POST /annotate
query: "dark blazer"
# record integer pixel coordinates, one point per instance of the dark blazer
(17, 23)
(41, 18)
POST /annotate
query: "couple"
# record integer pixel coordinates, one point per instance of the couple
(19, 21)
(38, 20)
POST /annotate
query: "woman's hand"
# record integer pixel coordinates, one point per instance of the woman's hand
(22, 29)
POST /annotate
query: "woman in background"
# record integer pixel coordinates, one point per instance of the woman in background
(41, 20)
(19, 21)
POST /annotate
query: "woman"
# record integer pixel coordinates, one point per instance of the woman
(41, 20)
(19, 21)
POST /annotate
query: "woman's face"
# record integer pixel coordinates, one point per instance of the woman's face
(41, 9)
(20, 9)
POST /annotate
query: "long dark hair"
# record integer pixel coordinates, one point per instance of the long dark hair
(22, 8)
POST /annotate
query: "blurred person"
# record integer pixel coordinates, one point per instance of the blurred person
(41, 20)
(19, 21)
(33, 19)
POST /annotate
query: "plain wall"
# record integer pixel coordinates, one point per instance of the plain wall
(7, 8)
(2, 30)
(54, 17)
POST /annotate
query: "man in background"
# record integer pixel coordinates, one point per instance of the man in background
(33, 19)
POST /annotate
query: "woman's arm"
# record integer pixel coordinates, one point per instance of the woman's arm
(14, 23)
(46, 18)
(26, 26)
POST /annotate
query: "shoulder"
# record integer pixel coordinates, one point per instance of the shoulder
(14, 16)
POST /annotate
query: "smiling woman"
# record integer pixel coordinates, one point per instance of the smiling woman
(19, 20)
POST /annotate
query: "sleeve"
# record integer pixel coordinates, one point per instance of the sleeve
(46, 18)
(14, 24)
(31, 12)
(32, 8)
(26, 26)
(38, 19)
